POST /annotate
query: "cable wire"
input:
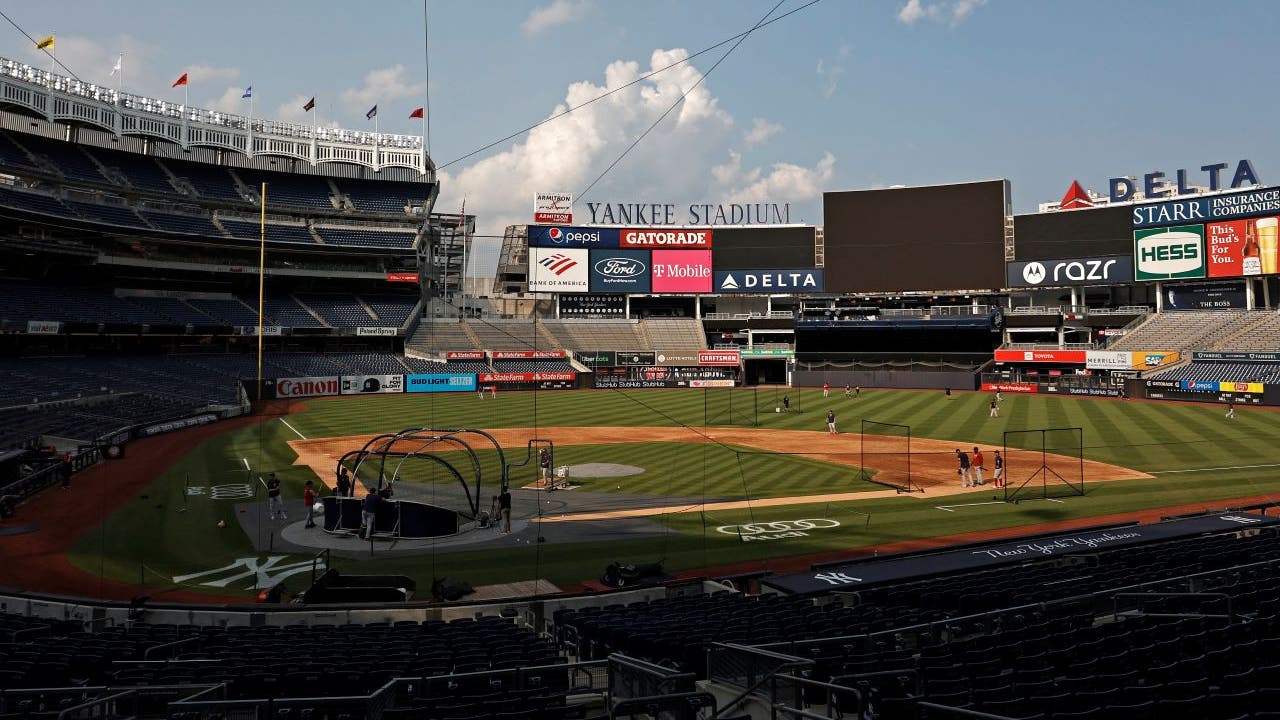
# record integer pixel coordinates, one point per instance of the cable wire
(36, 42)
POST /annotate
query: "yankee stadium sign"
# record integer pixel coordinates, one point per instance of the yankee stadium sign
(707, 214)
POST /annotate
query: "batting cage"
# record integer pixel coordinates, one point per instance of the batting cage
(778, 399)
(884, 452)
(729, 407)
(1043, 464)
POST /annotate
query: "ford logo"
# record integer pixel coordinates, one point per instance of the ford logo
(620, 267)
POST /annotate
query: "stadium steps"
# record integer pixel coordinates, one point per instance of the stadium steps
(471, 334)
(643, 328)
(217, 222)
(547, 335)
(310, 312)
(365, 306)
(1263, 318)
(244, 189)
(311, 230)
(114, 177)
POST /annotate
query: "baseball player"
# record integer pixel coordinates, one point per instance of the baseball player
(831, 421)
(976, 464)
(998, 477)
(964, 467)
(826, 389)
(995, 408)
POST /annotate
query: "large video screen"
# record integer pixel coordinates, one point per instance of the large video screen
(941, 237)
(1073, 234)
(763, 248)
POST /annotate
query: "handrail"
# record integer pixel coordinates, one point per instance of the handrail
(165, 646)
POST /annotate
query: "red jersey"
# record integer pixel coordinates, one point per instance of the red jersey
(308, 497)
(977, 459)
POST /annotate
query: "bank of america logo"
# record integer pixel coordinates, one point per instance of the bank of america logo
(558, 263)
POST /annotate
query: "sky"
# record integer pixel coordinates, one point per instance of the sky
(840, 95)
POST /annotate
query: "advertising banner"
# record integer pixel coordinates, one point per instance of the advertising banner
(650, 238)
(609, 382)
(727, 358)
(1169, 253)
(1225, 248)
(267, 330)
(602, 358)
(681, 271)
(372, 384)
(1240, 387)
(767, 352)
(677, 358)
(552, 270)
(1145, 359)
(1067, 357)
(568, 236)
(710, 383)
(43, 327)
(1086, 391)
(1013, 387)
(1205, 296)
(1213, 208)
(520, 377)
(440, 382)
(377, 332)
(308, 386)
(623, 271)
(1105, 270)
(1108, 360)
(594, 306)
(1202, 391)
(1235, 357)
(402, 277)
(464, 355)
(529, 354)
(1199, 385)
(768, 281)
(626, 359)
(553, 207)
(172, 425)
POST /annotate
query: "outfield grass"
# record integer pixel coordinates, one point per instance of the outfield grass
(1239, 458)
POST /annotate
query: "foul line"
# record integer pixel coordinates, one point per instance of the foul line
(1215, 469)
(947, 508)
(294, 429)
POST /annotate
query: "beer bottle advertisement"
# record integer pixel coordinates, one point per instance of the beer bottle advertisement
(1225, 244)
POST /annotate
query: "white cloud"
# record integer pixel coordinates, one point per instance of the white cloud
(383, 85)
(209, 74)
(760, 132)
(560, 12)
(830, 73)
(291, 110)
(231, 100)
(680, 161)
(954, 11)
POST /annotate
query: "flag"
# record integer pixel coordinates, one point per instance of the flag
(416, 113)
(45, 44)
(373, 113)
(116, 69)
(248, 93)
(311, 105)
(180, 82)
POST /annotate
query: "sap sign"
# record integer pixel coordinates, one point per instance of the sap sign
(562, 236)
(804, 280)
(1169, 253)
(1105, 270)
(443, 382)
(619, 271)
(1156, 185)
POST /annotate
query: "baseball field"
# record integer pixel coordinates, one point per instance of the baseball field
(651, 478)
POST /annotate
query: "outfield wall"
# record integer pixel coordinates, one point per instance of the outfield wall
(900, 379)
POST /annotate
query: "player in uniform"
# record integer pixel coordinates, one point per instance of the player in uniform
(998, 477)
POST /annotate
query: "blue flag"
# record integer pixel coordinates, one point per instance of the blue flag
(248, 93)
(373, 112)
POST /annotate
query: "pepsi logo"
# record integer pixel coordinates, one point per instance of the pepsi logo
(556, 234)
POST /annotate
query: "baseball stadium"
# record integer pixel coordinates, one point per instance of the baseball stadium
(268, 452)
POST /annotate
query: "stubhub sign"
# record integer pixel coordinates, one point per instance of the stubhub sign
(803, 280)
(572, 236)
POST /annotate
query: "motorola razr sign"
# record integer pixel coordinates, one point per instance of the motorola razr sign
(1170, 253)
(1106, 270)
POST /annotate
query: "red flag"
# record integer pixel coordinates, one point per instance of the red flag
(180, 81)
(416, 113)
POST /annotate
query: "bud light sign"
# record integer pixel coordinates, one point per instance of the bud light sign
(620, 271)
(570, 236)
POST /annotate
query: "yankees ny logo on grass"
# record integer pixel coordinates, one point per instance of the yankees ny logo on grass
(265, 574)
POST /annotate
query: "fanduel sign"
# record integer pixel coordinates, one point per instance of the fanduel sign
(804, 280)
(654, 214)
(1156, 184)
(1107, 270)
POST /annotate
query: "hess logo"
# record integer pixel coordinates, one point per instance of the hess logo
(1033, 273)
(1169, 253)
(616, 267)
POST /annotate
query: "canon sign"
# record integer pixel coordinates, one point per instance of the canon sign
(1108, 270)
(307, 387)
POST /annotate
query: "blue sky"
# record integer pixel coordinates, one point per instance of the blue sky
(842, 95)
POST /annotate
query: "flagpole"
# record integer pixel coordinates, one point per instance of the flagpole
(262, 271)
(250, 145)
(377, 164)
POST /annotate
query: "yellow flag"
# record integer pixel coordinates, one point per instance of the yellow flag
(45, 44)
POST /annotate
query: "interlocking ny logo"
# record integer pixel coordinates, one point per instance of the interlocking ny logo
(1243, 520)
